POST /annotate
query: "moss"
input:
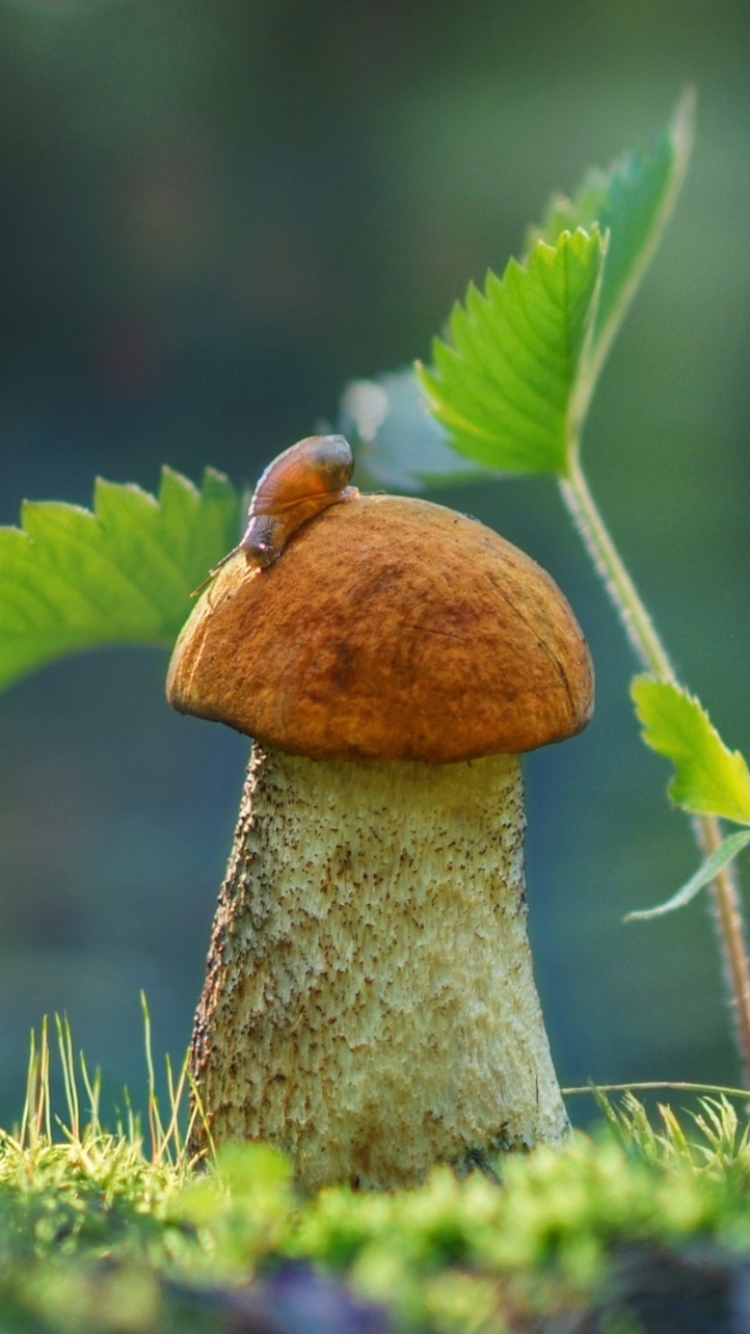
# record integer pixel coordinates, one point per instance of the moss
(121, 1232)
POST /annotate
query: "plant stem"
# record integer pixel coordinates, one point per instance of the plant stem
(730, 929)
(638, 624)
(653, 1086)
(650, 651)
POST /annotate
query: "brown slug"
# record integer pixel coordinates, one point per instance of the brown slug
(298, 484)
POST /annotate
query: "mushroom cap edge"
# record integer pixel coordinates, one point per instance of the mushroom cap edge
(390, 628)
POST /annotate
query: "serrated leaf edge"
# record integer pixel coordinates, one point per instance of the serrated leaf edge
(742, 815)
(473, 306)
(19, 540)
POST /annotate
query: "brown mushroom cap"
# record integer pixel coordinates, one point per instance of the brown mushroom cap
(389, 628)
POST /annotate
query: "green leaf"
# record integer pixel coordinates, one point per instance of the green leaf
(396, 440)
(707, 871)
(709, 779)
(633, 202)
(506, 385)
(72, 579)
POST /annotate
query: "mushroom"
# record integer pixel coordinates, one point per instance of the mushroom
(369, 1005)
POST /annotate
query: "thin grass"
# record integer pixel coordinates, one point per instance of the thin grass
(69, 1162)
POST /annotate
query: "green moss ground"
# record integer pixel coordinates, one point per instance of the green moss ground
(122, 1232)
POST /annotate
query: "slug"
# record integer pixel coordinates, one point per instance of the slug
(296, 486)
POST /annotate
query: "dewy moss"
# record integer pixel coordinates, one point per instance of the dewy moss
(370, 1005)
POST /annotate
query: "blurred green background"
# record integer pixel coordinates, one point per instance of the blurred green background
(215, 213)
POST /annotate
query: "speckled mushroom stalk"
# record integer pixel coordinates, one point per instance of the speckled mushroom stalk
(370, 1005)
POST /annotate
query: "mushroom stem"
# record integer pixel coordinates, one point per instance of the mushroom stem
(370, 1005)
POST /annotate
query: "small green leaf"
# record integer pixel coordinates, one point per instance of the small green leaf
(633, 202)
(707, 871)
(72, 579)
(505, 387)
(709, 779)
(396, 440)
